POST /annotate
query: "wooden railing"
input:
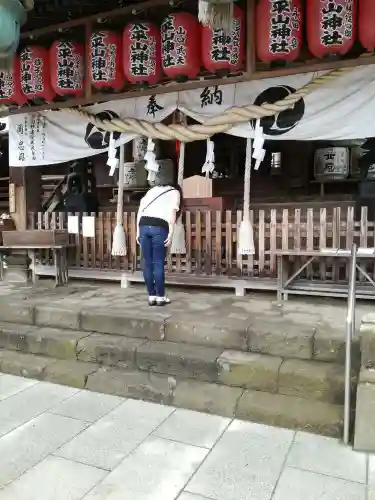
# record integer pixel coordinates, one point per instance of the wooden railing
(212, 241)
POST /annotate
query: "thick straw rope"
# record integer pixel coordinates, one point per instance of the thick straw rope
(215, 125)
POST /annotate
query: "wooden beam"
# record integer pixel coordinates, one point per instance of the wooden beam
(198, 84)
(99, 98)
(312, 67)
(250, 38)
(149, 4)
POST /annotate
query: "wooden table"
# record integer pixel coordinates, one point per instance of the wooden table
(284, 280)
(59, 258)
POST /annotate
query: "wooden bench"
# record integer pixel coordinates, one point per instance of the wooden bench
(286, 282)
(59, 257)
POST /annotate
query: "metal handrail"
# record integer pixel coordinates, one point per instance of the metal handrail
(350, 328)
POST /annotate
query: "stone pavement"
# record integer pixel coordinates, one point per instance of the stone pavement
(60, 443)
(244, 358)
(216, 307)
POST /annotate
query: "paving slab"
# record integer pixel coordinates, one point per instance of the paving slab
(109, 440)
(61, 480)
(304, 485)
(324, 455)
(245, 464)
(191, 427)
(176, 462)
(87, 406)
(39, 437)
(9, 386)
(29, 403)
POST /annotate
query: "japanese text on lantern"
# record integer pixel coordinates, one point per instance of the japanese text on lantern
(27, 80)
(142, 51)
(103, 58)
(69, 73)
(336, 23)
(7, 87)
(225, 47)
(173, 41)
(285, 21)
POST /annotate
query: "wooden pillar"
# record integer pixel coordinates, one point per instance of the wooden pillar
(24, 197)
(250, 38)
(24, 194)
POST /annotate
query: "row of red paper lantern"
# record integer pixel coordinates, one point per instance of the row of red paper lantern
(331, 27)
(140, 56)
(182, 46)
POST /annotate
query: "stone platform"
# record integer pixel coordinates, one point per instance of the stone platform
(213, 352)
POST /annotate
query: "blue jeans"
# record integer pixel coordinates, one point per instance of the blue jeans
(152, 240)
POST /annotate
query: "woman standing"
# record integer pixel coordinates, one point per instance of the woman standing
(157, 215)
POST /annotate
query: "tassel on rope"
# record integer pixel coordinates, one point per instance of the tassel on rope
(217, 14)
(178, 244)
(209, 165)
(246, 234)
(119, 239)
(151, 165)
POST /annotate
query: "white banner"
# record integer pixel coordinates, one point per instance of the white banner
(341, 110)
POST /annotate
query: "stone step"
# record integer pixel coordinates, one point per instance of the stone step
(274, 409)
(276, 334)
(320, 381)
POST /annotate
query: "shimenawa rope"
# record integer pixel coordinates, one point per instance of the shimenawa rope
(214, 125)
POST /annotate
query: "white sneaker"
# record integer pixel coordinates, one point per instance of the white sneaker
(162, 301)
(152, 300)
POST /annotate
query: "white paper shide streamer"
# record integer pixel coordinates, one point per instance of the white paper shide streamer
(209, 165)
(258, 150)
(151, 164)
(112, 161)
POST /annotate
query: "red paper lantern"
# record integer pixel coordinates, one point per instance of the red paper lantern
(331, 26)
(278, 30)
(67, 68)
(224, 52)
(180, 46)
(10, 85)
(105, 58)
(142, 53)
(35, 73)
(366, 23)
